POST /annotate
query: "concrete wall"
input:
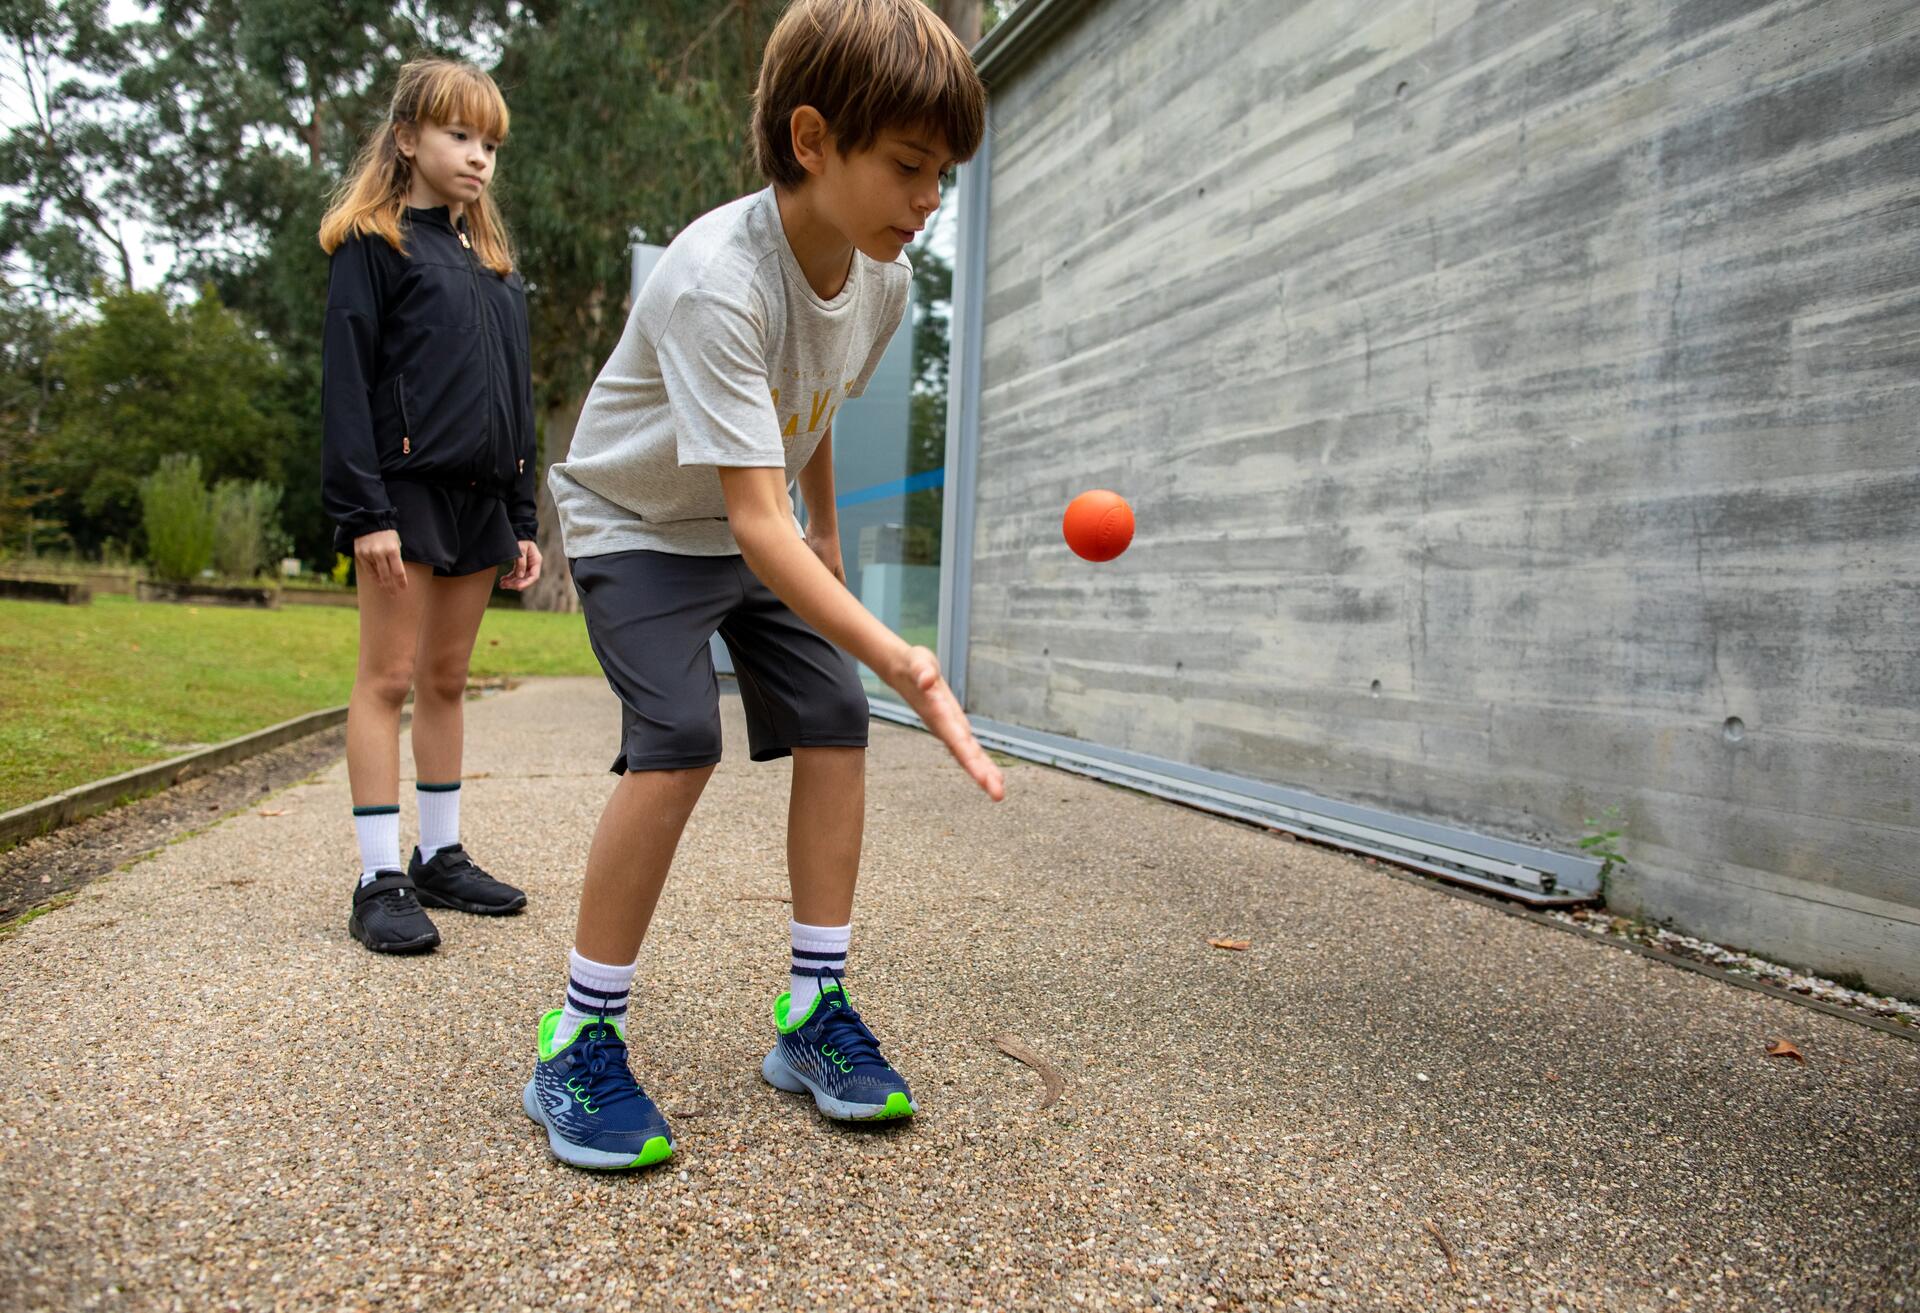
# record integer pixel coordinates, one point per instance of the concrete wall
(1519, 399)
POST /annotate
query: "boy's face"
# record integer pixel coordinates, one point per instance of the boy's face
(881, 197)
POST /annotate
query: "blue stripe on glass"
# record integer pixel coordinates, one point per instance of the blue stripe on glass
(893, 488)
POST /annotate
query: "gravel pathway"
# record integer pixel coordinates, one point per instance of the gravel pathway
(211, 1097)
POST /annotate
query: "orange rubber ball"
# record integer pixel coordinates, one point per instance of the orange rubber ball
(1098, 525)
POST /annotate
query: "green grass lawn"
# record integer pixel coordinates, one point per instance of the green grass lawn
(90, 691)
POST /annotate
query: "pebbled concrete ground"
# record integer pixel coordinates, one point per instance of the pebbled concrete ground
(211, 1097)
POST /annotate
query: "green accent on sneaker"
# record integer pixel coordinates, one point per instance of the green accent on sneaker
(551, 1023)
(786, 1027)
(436, 788)
(897, 1106)
(393, 810)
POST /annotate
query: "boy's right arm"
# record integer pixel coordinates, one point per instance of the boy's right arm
(761, 518)
(713, 365)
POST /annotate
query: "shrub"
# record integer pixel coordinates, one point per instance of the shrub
(178, 516)
(245, 528)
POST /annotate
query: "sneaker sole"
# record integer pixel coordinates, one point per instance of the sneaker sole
(428, 898)
(656, 1150)
(424, 944)
(779, 1073)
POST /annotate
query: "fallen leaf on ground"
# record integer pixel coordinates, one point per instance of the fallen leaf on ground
(761, 898)
(1237, 945)
(1050, 1075)
(1453, 1264)
(1781, 1048)
(277, 811)
(479, 775)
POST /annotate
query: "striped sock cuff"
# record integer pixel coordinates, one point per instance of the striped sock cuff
(820, 951)
(437, 788)
(390, 810)
(595, 989)
(594, 1002)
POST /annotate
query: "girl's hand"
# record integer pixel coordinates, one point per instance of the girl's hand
(828, 550)
(377, 556)
(525, 570)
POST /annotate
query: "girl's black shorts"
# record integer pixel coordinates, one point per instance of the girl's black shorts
(451, 529)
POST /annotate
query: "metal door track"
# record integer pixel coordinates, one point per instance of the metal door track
(1538, 877)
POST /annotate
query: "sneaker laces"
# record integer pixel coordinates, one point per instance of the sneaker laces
(604, 1055)
(842, 1030)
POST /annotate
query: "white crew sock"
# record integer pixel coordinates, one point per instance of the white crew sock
(818, 950)
(439, 817)
(378, 829)
(595, 991)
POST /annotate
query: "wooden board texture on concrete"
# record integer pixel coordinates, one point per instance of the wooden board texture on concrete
(1520, 403)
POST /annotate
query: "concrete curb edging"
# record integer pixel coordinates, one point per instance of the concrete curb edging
(37, 818)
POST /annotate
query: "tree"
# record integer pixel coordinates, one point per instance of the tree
(27, 333)
(65, 165)
(585, 176)
(149, 379)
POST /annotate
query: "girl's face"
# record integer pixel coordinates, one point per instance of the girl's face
(452, 163)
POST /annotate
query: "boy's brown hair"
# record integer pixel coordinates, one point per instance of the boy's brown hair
(868, 66)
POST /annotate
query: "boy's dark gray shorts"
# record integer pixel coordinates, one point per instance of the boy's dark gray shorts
(650, 616)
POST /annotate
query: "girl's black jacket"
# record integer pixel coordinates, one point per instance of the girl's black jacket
(425, 376)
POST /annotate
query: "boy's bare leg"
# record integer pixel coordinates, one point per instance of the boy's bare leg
(627, 866)
(826, 815)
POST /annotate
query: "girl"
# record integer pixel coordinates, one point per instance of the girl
(429, 464)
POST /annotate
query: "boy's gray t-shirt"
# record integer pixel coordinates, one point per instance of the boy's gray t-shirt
(729, 358)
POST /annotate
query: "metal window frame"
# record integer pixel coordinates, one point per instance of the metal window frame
(966, 333)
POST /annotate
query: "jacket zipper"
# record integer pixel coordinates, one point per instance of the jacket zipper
(486, 344)
(406, 425)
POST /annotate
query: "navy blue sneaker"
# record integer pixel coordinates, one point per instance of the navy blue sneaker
(830, 1054)
(595, 1112)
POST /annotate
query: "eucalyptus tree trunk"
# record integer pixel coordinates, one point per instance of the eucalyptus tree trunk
(553, 591)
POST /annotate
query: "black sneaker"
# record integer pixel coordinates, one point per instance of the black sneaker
(452, 880)
(387, 918)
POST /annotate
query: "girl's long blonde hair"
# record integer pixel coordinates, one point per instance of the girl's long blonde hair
(373, 197)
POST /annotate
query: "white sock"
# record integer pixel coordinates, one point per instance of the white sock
(378, 829)
(817, 950)
(595, 992)
(439, 817)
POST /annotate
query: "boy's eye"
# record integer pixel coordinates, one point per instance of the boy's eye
(908, 168)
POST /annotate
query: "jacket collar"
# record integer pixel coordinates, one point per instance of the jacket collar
(436, 215)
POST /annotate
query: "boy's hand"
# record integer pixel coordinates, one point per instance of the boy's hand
(828, 550)
(920, 683)
(377, 557)
(525, 570)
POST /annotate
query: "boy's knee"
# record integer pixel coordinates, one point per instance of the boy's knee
(677, 749)
(842, 710)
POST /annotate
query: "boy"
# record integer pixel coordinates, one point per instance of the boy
(759, 320)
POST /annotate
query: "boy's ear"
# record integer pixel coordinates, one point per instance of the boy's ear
(811, 138)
